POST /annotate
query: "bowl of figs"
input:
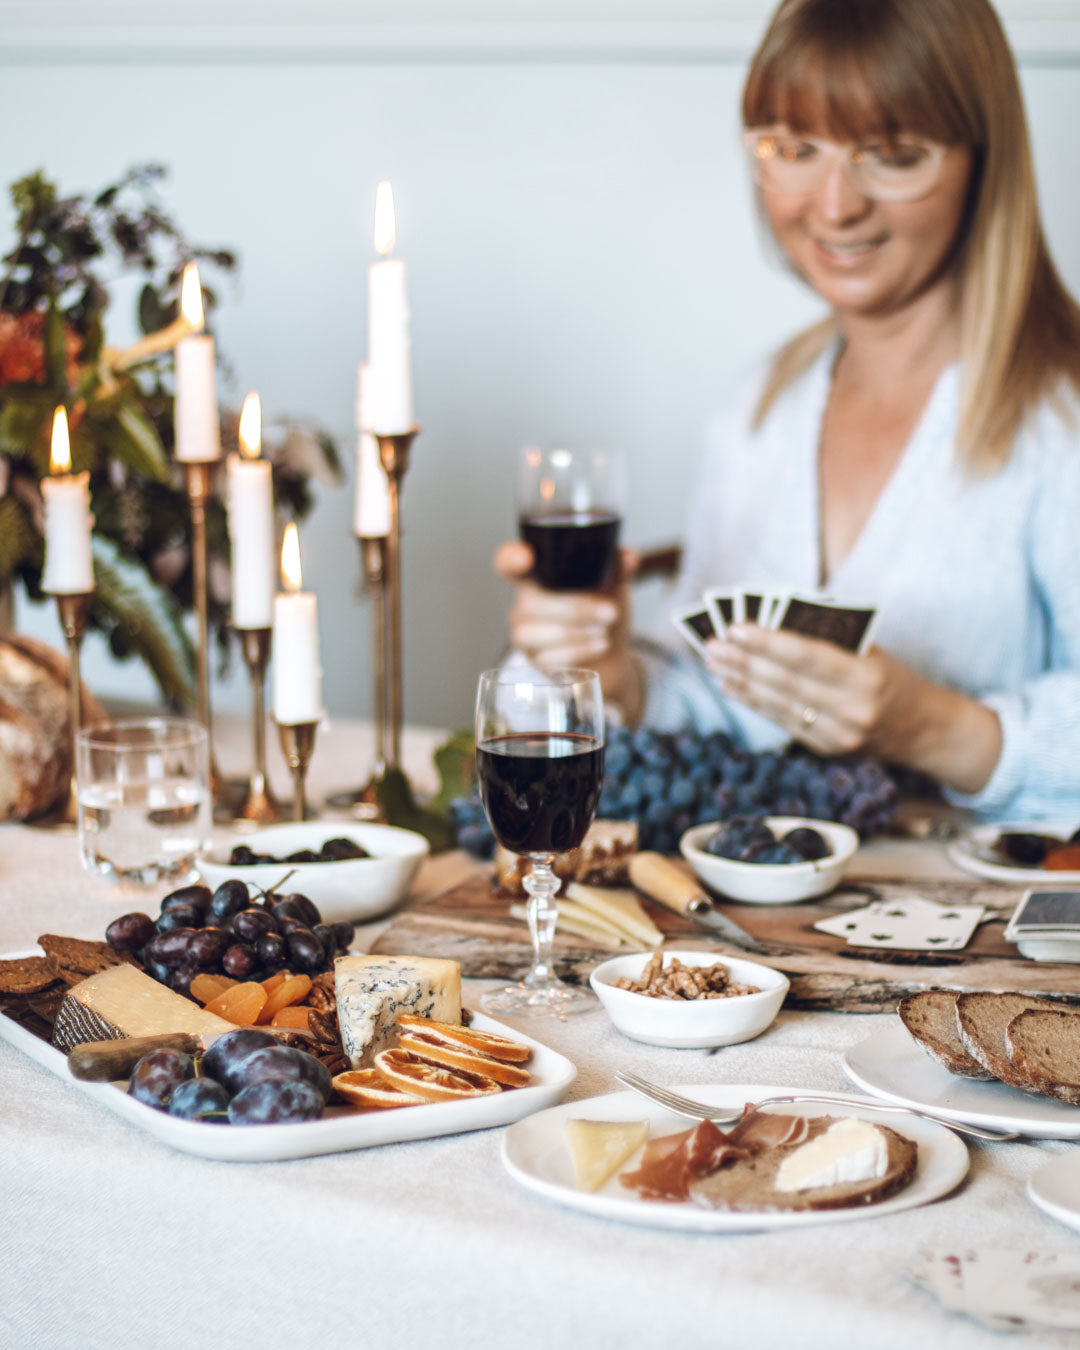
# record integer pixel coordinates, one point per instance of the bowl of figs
(770, 860)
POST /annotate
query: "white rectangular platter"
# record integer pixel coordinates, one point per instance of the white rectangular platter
(340, 1130)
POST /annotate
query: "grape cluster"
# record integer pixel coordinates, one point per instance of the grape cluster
(334, 850)
(245, 1078)
(230, 931)
(669, 782)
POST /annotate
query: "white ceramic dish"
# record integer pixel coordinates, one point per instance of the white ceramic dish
(772, 883)
(534, 1152)
(890, 1065)
(340, 1130)
(354, 889)
(689, 1024)
(1055, 1188)
(974, 852)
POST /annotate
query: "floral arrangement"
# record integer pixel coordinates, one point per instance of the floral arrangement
(54, 296)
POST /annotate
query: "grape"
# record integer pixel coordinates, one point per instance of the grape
(302, 855)
(170, 949)
(199, 896)
(739, 837)
(229, 1050)
(130, 932)
(326, 935)
(206, 945)
(251, 923)
(776, 852)
(198, 1099)
(810, 844)
(283, 910)
(344, 932)
(180, 916)
(305, 951)
(156, 1075)
(281, 1061)
(229, 898)
(270, 949)
(277, 1101)
(180, 977)
(308, 912)
(338, 850)
(239, 961)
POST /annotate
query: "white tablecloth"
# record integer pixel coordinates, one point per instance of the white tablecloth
(109, 1239)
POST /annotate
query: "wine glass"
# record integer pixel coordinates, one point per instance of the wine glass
(540, 764)
(570, 507)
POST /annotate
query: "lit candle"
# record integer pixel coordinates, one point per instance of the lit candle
(297, 672)
(251, 524)
(390, 402)
(371, 511)
(198, 435)
(69, 569)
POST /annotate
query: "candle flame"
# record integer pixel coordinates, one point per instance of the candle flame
(191, 305)
(385, 218)
(251, 427)
(60, 452)
(291, 576)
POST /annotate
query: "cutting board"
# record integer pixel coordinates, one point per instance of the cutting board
(471, 924)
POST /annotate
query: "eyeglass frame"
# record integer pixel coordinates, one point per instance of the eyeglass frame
(844, 152)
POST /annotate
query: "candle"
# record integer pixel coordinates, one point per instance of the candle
(198, 436)
(390, 402)
(251, 524)
(371, 512)
(69, 569)
(297, 672)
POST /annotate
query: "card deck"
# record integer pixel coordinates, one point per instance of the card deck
(849, 626)
(1041, 912)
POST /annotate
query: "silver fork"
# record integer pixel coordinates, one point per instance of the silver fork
(728, 1115)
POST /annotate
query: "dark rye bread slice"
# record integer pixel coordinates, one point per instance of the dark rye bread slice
(748, 1185)
(930, 1017)
(983, 1018)
(1044, 1046)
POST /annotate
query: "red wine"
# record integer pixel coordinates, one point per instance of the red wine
(574, 550)
(540, 790)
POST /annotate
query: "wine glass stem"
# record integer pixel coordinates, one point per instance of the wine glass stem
(542, 885)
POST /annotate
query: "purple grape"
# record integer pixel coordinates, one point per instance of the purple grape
(206, 946)
(229, 898)
(180, 916)
(130, 932)
(199, 896)
(305, 951)
(239, 961)
(308, 912)
(270, 949)
(251, 923)
(170, 949)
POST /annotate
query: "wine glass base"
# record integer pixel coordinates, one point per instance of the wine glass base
(553, 998)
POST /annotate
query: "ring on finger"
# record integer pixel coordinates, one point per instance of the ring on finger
(808, 716)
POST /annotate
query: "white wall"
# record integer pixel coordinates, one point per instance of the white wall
(583, 260)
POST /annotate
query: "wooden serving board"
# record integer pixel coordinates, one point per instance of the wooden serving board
(471, 924)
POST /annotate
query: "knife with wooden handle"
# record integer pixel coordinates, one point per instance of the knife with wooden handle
(661, 880)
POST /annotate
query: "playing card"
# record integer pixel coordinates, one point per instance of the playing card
(1018, 1288)
(848, 626)
(1044, 912)
(695, 622)
(748, 605)
(721, 605)
(907, 924)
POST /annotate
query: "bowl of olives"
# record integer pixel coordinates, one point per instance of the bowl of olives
(770, 860)
(351, 871)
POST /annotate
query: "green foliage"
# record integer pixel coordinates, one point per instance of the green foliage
(455, 761)
(395, 797)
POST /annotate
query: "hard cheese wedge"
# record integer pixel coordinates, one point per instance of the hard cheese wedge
(573, 919)
(621, 908)
(373, 990)
(123, 1001)
(600, 1147)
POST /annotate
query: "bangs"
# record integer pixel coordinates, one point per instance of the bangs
(848, 70)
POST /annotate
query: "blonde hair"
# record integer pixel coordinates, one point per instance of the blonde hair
(940, 69)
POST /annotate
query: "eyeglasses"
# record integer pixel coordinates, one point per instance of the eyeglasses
(896, 169)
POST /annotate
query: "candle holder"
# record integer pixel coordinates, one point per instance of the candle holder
(74, 611)
(260, 805)
(297, 743)
(362, 802)
(394, 449)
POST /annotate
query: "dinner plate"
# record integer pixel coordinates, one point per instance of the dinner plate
(535, 1154)
(891, 1065)
(973, 851)
(340, 1130)
(1055, 1188)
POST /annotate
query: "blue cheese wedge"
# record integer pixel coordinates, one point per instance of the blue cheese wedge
(851, 1150)
(123, 1001)
(373, 990)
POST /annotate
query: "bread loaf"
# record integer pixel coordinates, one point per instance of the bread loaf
(930, 1017)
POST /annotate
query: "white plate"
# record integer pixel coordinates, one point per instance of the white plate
(974, 852)
(340, 1130)
(891, 1065)
(1055, 1188)
(534, 1152)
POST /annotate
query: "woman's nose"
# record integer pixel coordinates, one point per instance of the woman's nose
(838, 199)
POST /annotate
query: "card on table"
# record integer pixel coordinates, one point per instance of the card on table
(696, 624)
(849, 626)
(1044, 912)
(1006, 1290)
(908, 924)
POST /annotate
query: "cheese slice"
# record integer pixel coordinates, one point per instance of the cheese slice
(123, 1001)
(619, 907)
(373, 990)
(580, 927)
(600, 1147)
(850, 1150)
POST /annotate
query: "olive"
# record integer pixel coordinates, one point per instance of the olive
(229, 898)
(252, 923)
(239, 961)
(130, 932)
(180, 916)
(199, 896)
(170, 949)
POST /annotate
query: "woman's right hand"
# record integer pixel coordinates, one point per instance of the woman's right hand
(575, 628)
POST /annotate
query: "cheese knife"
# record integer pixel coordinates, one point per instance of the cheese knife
(661, 880)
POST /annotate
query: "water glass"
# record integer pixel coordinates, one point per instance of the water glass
(143, 794)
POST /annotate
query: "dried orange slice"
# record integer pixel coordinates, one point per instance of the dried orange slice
(436, 1082)
(469, 1038)
(458, 1057)
(369, 1090)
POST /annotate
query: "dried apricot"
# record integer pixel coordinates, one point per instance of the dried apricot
(207, 986)
(241, 1004)
(289, 991)
(272, 981)
(293, 1016)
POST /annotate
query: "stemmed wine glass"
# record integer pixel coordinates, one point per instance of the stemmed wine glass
(540, 763)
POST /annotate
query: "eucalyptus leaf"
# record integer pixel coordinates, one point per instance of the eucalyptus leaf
(134, 440)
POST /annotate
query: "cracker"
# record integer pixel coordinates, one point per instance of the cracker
(80, 955)
(28, 974)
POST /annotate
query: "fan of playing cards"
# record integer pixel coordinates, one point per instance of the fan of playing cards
(816, 616)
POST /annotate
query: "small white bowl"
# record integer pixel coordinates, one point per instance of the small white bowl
(772, 883)
(354, 888)
(690, 1024)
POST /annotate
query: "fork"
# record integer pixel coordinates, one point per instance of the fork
(728, 1115)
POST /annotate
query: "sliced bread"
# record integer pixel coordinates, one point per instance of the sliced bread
(1044, 1046)
(983, 1018)
(930, 1017)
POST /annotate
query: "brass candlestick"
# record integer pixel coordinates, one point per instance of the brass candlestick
(297, 743)
(74, 611)
(260, 804)
(362, 801)
(394, 448)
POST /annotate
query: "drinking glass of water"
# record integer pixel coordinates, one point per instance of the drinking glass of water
(143, 793)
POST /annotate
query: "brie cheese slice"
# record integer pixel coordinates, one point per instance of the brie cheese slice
(851, 1150)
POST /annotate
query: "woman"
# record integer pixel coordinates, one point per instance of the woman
(917, 449)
